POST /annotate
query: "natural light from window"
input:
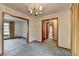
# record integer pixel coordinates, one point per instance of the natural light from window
(6, 28)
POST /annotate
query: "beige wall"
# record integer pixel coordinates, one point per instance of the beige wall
(18, 28)
(21, 29)
(16, 13)
(64, 32)
(55, 29)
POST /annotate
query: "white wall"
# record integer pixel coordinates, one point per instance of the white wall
(24, 29)
(18, 29)
(64, 32)
(21, 29)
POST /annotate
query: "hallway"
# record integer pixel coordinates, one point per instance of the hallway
(19, 47)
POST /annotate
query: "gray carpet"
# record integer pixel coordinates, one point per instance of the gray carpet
(19, 47)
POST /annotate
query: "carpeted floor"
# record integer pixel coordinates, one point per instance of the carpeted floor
(19, 47)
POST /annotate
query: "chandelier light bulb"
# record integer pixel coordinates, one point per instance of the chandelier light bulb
(40, 7)
(31, 11)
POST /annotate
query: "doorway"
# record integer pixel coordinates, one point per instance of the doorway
(50, 30)
(9, 28)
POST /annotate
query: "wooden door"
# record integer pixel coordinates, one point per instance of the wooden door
(43, 31)
(12, 27)
(46, 30)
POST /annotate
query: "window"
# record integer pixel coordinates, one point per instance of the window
(6, 28)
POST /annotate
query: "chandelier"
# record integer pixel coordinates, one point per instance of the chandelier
(35, 10)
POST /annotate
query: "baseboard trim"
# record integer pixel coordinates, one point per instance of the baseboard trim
(35, 41)
(64, 48)
(16, 37)
(20, 37)
(55, 40)
(7, 38)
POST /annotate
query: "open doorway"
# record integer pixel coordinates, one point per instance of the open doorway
(15, 31)
(50, 30)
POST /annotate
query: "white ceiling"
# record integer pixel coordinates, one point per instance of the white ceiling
(8, 18)
(48, 8)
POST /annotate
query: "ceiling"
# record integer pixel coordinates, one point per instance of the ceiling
(8, 18)
(48, 8)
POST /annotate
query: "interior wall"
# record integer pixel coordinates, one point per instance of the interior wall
(21, 29)
(55, 29)
(24, 29)
(18, 29)
(64, 28)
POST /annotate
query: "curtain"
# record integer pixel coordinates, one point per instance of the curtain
(75, 29)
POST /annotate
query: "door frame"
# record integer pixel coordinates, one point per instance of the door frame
(3, 13)
(56, 18)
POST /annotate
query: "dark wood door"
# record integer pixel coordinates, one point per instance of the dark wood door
(46, 30)
(43, 31)
(12, 27)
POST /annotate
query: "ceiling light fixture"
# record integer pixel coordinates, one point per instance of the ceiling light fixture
(35, 10)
